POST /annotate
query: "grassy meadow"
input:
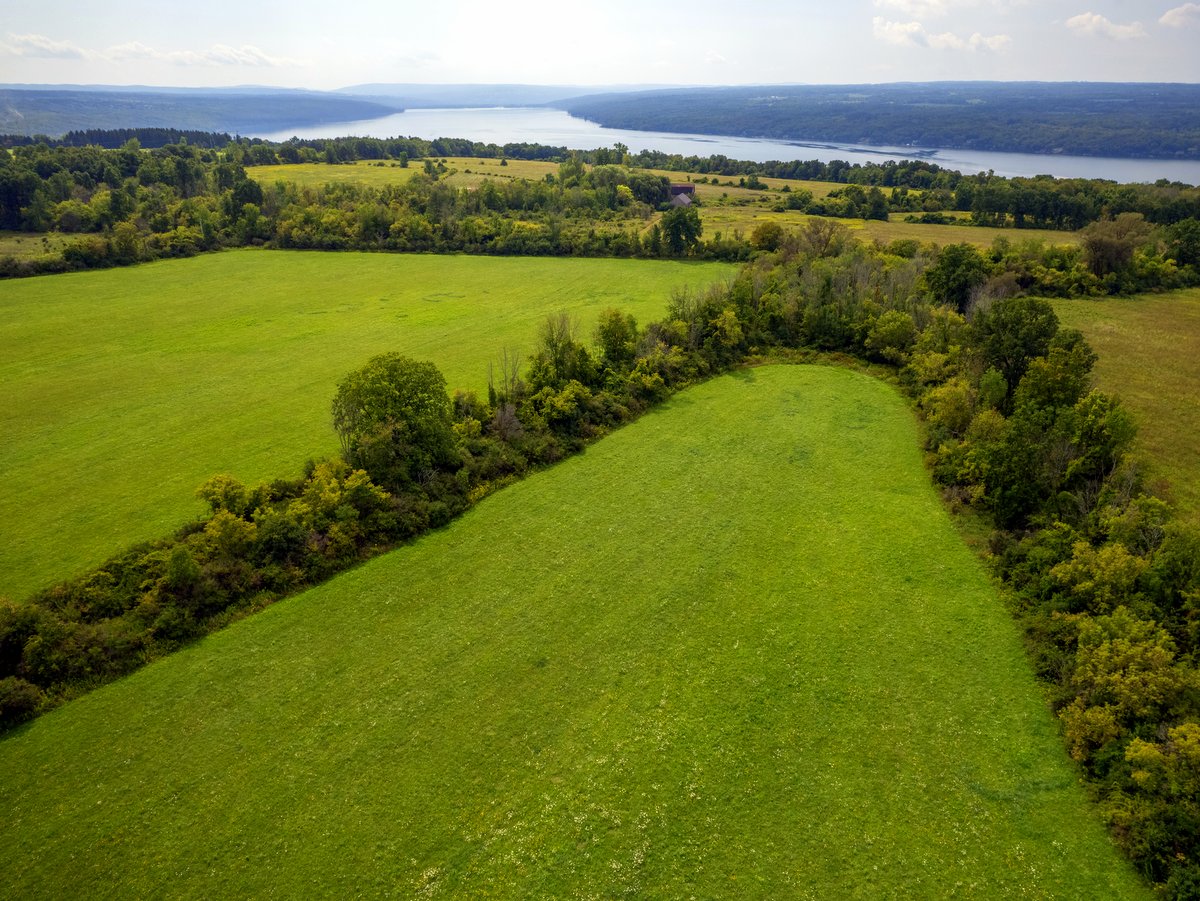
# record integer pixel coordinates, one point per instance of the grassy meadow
(125, 389)
(466, 172)
(1149, 348)
(744, 213)
(360, 172)
(734, 650)
(33, 245)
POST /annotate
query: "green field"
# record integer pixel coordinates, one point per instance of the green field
(125, 389)
(313, 174)
(1149, 350)
(744, 213)
(34, 245)
(467, 172)
(734, 650)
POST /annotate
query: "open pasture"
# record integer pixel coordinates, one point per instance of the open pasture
(125, 389)
(727, 185)
(33, 245)
(1149, 348)
(361, 172)
(471, 171)
(734, 650)
(372, 174)
(745, 213)
(980, 235)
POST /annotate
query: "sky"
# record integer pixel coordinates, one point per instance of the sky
(329, 44)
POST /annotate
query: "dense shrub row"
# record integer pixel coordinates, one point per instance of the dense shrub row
(1104, 579)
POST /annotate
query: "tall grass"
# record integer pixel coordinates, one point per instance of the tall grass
(1149, 350)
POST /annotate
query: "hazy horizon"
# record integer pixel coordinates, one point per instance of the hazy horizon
(310, 46)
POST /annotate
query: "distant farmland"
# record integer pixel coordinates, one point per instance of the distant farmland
(125, 389)
(734, 650)
(724, 206)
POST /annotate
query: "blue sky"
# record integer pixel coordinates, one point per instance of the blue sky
(329, 44)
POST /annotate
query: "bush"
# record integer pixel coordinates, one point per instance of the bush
(19, 700)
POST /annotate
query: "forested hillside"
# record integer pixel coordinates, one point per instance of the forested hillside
(1157, 121)
(54, 112)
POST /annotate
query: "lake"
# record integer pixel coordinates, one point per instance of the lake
(560, 129)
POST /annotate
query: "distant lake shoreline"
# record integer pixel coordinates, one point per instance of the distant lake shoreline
(556, 128)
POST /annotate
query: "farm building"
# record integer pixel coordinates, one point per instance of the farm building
(682, 195)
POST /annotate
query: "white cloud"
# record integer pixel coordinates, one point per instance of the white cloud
(925, 9)
(951, 41)
(713, 58)
(246, 55)
(917, 8)
(913, 34)
(217, 55)
(1098, 26)
(132, 50)
(38, 45)
(1181, 16)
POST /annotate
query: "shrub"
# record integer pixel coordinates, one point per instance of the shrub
(19, 700)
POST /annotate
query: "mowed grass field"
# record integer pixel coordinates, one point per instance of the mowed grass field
(734, 650)
(125, 389)
(1149, 348)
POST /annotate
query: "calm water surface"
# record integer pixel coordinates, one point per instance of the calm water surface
(559, 129)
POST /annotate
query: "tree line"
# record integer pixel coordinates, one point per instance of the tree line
(114, 138)
(132, 204)
(1104, 578)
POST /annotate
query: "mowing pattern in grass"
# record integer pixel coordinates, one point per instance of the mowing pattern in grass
(1149, 351)
(734, 650)
(125, 389)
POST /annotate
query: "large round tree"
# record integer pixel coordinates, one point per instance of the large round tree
(393, 419)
